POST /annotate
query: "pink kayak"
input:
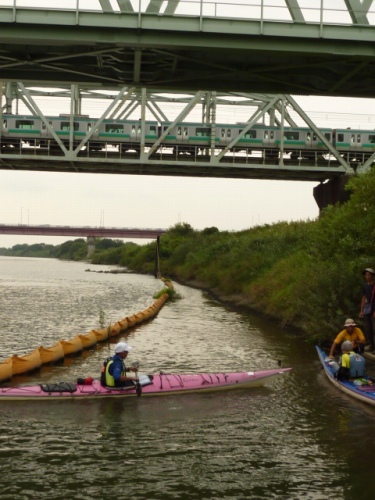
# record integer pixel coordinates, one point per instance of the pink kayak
(149, 385)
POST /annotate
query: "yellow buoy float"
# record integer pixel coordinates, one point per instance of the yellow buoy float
(51, 354)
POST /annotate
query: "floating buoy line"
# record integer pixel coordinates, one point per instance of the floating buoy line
(17, 365)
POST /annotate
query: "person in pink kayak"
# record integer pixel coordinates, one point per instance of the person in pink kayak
(116, 374)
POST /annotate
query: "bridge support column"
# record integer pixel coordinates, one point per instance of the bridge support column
(6, 97)
(90, 245)
(331, 192)
(157, 272)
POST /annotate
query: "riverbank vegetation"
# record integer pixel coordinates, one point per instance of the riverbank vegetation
(306, 275)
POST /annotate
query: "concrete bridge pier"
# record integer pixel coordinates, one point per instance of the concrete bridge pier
(331, 192)
(157, 272)
(90, 245)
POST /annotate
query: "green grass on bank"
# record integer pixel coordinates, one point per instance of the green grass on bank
(303, 274)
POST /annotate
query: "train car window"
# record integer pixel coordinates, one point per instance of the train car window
(5, 123)
(271, 134)
(152, 129)
(251, 134)
(114, 128)
(43, 126)
(352, 138)
(89, 127)
(314, 137)
(139, 129)
(185, 131)
(202, 132)
(178, 130)
(223, 133)
(229, 132)
(65, 126)
(25, 124)
(291, 136)
(308, 136)
(266, 134)
(359, 138)
(371, 138)
(340, 137)
(327, 135)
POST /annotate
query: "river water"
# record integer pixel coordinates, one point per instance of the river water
(297, 438)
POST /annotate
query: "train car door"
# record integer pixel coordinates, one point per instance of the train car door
(356, 141)
(311, 141)
(135, 132)
(269, 138)
(224, 135)
(182, 134)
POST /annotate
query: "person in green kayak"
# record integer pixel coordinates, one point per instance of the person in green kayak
(115, 373)
(351, 332)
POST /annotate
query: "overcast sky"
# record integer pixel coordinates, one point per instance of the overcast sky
(160, 202)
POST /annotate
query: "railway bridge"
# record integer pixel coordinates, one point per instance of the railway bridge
(165, 61)
(91, 233)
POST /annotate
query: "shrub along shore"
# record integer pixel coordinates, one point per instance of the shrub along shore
(306, 275)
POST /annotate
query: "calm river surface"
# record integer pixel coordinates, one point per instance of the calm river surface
(297, 438)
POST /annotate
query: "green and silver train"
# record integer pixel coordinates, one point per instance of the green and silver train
(125, 136)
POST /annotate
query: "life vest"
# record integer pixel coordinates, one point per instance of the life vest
(106, 379)
(357, 366)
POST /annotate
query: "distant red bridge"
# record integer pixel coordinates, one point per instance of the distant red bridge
(94, 232)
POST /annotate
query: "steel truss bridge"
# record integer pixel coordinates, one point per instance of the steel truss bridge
(312, 47)
(139, 56)
(279, 110)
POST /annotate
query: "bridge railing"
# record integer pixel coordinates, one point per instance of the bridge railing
(300, 11)
(178, 155)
